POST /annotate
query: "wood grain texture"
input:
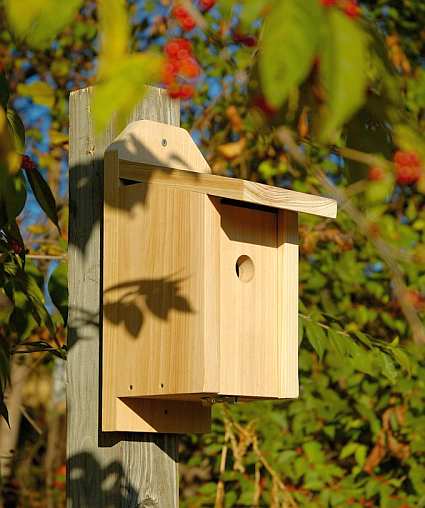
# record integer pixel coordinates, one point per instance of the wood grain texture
(232, 188)
(161, 415)
(248, 302)
(116, 469)
(288, 253)
(154, 302)
(159, 144)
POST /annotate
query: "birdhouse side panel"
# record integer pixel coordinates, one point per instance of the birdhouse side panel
(288, 254)
(158, 302)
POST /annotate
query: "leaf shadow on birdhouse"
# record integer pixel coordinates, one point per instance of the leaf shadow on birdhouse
(127, 302)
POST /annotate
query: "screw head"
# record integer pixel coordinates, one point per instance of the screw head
(164, 142)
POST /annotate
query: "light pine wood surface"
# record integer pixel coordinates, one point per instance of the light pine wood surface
(154, 303)
(104, 469)
(248, 302)
(288, 254)
(231, 188)
(159, 144)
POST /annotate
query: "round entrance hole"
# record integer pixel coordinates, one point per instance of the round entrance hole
(244, 268)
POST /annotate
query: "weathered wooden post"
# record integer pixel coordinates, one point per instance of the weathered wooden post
(118, 469)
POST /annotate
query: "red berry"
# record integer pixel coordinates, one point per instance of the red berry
(179, 12)
(183, 92)
(27, 163)
(206, 5)
(171, 48)
(416, 299)
(184, 44)
(16, 246)
(246, 40)
(190, 68)
(169, 73)
(188, 24)
(186, 91)
(174, 91)
(407, 167)
(183, 54)
(352, 9)
(375, 174)
(184, 18)
(328, 3)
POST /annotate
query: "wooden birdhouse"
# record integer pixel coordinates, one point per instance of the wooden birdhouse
(200, 284)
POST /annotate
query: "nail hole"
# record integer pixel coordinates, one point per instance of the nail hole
(131, 387)
(166, 411)
(162, 385)
(244, 268)
(164, 142)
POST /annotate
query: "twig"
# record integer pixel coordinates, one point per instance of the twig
(249, 437)
(31, 421)
(219, 498)
(46, 256)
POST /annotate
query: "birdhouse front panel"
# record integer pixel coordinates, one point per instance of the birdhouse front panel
(248, 300)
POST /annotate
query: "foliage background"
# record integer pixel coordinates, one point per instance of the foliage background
(311, 99)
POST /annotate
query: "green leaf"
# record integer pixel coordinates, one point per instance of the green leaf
(343, 71)
(379, 191)
(16, 129)
(314, 452)
(4, 412)
(115, 30)
(409, 139)
(403, 359)
(43, 194)
(29, 309)
(123, 89)
(364, 339)
(288, 47)
(38, 22)
(348, 449)
(22, 319)
(58, 289)
(4, 367)
(13, 195)
(252, 11)
(39, 91)
(9, 159)
(316, 337)
(360, 455)
(4, 90)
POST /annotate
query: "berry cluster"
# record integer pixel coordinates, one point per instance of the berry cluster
(27, 163)
(350, 7)
(184, 18)
(180, 65)
(407, 167)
